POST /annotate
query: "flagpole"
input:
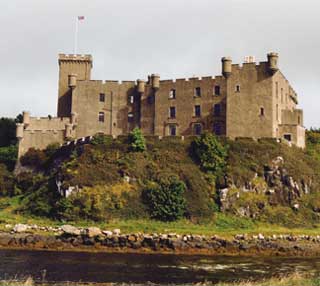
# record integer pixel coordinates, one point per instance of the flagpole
(76, 37)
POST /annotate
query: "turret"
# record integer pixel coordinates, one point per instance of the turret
(226, 66)
(26, 118)
(140, 85)
(19, 130)
(273, 62)
(74, 117)
(72, 80)
(69, 133)
(155, 81)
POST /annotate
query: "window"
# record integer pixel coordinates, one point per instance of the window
(130, 117)
(287, 137)
(237, 89)
(131, 99)
(217, 128)
(216, 90)
(197, 110)
(172, 112)
(172, 130)
(217, 109)
(299, 120)
(102, 97)
(281, 95)
(197, 92)
(101, 116)
(172, 94)
(197, 129)
(277, 90)
(277, 112)
(261, 111)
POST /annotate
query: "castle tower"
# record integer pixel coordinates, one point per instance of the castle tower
(71, 68)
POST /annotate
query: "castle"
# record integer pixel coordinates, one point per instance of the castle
(249, 100)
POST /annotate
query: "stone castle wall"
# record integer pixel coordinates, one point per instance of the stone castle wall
(251, 100)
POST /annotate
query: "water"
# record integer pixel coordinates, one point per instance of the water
(135, 268)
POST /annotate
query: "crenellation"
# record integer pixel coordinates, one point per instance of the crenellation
(242, 101)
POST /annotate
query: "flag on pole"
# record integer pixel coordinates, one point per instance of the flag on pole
(80, 18)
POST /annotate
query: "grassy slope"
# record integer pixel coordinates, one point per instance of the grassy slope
(221, 224)
(99, 165)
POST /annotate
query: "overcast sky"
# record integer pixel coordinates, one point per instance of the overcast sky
(130, 39)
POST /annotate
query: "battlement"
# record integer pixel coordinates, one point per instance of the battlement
(47, 123)
(72, 57)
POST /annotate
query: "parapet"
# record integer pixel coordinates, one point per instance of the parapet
(77, 58)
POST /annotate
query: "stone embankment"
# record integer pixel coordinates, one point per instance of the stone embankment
(67, 237)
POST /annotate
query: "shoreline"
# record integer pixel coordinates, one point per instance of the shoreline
(240, 245)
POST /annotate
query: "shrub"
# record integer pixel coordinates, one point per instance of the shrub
(51, 149)
(137, 141)
(33, 158)
(101, 203)
(41, 197)
(210, 153)
(8, 156)
(165, 198)
(101, 139)
(6, 182)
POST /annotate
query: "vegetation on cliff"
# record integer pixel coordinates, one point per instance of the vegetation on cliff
(196, 179)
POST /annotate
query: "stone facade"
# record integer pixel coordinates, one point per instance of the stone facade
(252, 100)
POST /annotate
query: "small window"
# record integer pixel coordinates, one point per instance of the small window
(102, 97)
(172, 130)
(216, 90)
(197, 92)
(299, 120)
(281, 95)
(261, 111)
(217, 109)
(237, 88)
(130, 117)
(217, 128)
(101, 116)
(172, 112)
(197, 110)
(131, 99)
(287, 137)
(197, 129)
(172, 94)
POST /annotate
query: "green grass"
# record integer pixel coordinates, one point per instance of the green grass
(220, 224)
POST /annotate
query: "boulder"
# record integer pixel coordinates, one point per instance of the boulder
(107, 232)
(70, 230)
(117, 231)
(18, 228)
(93, 231)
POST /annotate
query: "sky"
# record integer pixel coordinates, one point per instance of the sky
(130, 39)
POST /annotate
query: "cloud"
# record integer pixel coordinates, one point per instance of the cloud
(130, 39)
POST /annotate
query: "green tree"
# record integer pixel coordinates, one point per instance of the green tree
(137, 141)
(7, 132)
(8, 156)
(165, 198)
(210, 153)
